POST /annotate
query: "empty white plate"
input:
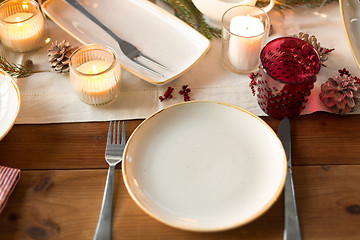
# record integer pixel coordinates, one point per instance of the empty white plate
(9, 103)
(204, 166)
(155, 32)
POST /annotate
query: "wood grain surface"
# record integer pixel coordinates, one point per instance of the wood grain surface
(63, 175)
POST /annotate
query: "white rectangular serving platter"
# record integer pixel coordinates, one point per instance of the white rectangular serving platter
(154, 31)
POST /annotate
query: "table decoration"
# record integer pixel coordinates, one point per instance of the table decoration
(186, 11)
(189, 13)
(341, 93)
(322, 51)
(59, 56)
(167, 94)
(286, 4)
(8, 179)
(185, 91)
(22, 25)
(15, 70)
(182, 164)
(245, 30)
(95, 74)
(286, 77)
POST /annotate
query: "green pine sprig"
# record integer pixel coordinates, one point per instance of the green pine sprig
(286, 4)
(186, 11)
(13, 69)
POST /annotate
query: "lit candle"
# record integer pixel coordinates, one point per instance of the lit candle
(95, 74)
(245, 42)
(96, 84)
(19, 17)
(22, 25)
(94, 67)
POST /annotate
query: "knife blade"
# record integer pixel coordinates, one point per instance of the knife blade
(291, 218)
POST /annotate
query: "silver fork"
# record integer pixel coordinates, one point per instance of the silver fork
(127, 48)
(113, 156)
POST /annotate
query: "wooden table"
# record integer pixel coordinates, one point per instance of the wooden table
(63, 175)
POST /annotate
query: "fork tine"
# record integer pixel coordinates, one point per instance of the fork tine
(123, 135)
(147, 68)
(118, 133)
(153, 61)
(114, 133)
(109, 133)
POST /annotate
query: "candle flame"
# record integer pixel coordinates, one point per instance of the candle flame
(94, 69)
(25, 5)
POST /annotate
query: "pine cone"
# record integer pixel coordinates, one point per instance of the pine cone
(313, 41)
(59, 56)
(340, 94)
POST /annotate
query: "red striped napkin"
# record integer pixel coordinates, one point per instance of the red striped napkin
(8, 179)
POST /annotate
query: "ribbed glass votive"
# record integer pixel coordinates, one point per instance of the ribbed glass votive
(22, 25)
(95, 74)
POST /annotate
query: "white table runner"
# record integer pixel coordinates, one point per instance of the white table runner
(47, 97)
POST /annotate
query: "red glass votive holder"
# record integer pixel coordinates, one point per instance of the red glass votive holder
(286, 76)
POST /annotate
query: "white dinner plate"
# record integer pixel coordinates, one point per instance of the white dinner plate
(9, 103)
(204, 166)
(350, 13)
(155, 32)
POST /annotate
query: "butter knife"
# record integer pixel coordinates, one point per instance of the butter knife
(291, 223)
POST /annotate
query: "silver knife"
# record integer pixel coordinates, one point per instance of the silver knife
(291, 223)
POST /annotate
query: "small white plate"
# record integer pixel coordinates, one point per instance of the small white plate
(204, 166)
(155, 32)
(350, 13)
(9, 103)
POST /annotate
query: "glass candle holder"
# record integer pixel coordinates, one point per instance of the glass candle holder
(22, 25)
(95, 74)
(245, 30)
(286, 76)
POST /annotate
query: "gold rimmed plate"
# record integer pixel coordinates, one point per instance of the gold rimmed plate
(9, 103)
(350, 14)
(204, 166)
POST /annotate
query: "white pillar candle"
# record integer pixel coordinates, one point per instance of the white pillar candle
(245, 41)
(24, 29)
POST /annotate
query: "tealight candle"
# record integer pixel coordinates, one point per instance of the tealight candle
(95, 74)
(245, 30)
(22, 25)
